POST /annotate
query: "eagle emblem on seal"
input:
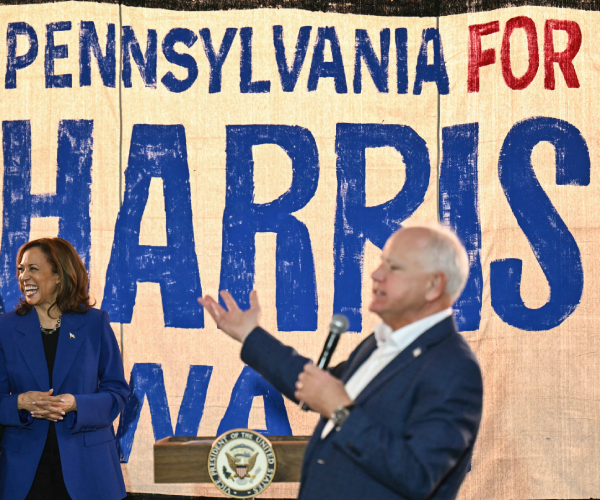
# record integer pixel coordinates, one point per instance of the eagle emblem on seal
(241, 465)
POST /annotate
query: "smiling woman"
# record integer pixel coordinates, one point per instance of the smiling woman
(53, 279)
(59, 441)
(35, 272)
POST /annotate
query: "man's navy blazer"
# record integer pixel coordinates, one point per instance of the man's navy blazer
(412, 432)
(87, 365)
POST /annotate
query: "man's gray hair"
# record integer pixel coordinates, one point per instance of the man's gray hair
(444, 252)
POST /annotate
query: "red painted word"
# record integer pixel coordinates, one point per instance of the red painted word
(479, 58)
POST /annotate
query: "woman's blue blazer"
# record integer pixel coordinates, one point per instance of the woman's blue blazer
(88, 365)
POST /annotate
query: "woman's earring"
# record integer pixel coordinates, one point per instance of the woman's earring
(58, 285)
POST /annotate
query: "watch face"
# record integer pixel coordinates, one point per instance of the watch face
(340, 415)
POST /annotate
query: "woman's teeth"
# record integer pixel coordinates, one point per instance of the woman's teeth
(30, 290)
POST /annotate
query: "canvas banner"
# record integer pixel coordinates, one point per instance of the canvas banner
(185, 152)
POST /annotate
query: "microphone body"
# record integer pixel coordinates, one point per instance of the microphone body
(328, 348)
(339, 324)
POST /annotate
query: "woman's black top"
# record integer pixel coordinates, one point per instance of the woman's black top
(50, 345)
(48, 482)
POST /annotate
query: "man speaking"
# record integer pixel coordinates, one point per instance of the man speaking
(400, 416)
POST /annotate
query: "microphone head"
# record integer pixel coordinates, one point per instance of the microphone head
(339, 324)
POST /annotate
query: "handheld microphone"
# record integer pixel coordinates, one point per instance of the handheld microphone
(339, 324)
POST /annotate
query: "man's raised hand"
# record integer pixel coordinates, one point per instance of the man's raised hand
(234, 322)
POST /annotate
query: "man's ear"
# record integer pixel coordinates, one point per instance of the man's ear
(437, 286)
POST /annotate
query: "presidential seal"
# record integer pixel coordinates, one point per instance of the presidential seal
(241, 463)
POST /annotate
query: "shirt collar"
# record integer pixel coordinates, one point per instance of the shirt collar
(403, 337)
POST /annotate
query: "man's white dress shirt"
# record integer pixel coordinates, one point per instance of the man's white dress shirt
(389, 344)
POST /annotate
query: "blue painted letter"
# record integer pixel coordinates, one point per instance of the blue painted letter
(289, 76)
(14, 62)
(216, 61)
(402, 60)
(56, 52)
(156, 151)
(321, 69)
(435, 72)
(247, 86)
(147, 64)
(377, 69)
(147, 382)
(553, 245)
(459, 210)
(355, 222)
(296, 283)
(71, 202)
(187, 38)
(107, 64)
(248, 386)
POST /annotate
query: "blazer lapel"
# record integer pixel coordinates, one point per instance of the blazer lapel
(29, 341)
(413, 352)
(70, 340)
(362, 354)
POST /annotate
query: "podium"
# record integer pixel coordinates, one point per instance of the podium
(185, 459)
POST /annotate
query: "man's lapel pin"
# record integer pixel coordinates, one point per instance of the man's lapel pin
(72, 336)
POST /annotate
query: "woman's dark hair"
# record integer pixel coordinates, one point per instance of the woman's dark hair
(73, 296)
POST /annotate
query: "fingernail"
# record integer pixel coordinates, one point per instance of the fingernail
(60, 418)
(33, 402)
(62, 412)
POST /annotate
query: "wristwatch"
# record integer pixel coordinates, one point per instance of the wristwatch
(341, 414)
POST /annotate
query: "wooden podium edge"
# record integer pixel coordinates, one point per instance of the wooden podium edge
(185, 459)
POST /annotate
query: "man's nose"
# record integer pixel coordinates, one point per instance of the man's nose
(378, 274)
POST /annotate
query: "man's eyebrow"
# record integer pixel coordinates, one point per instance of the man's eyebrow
(391, 260)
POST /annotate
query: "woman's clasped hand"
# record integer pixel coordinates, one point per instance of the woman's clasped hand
(45, 405)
